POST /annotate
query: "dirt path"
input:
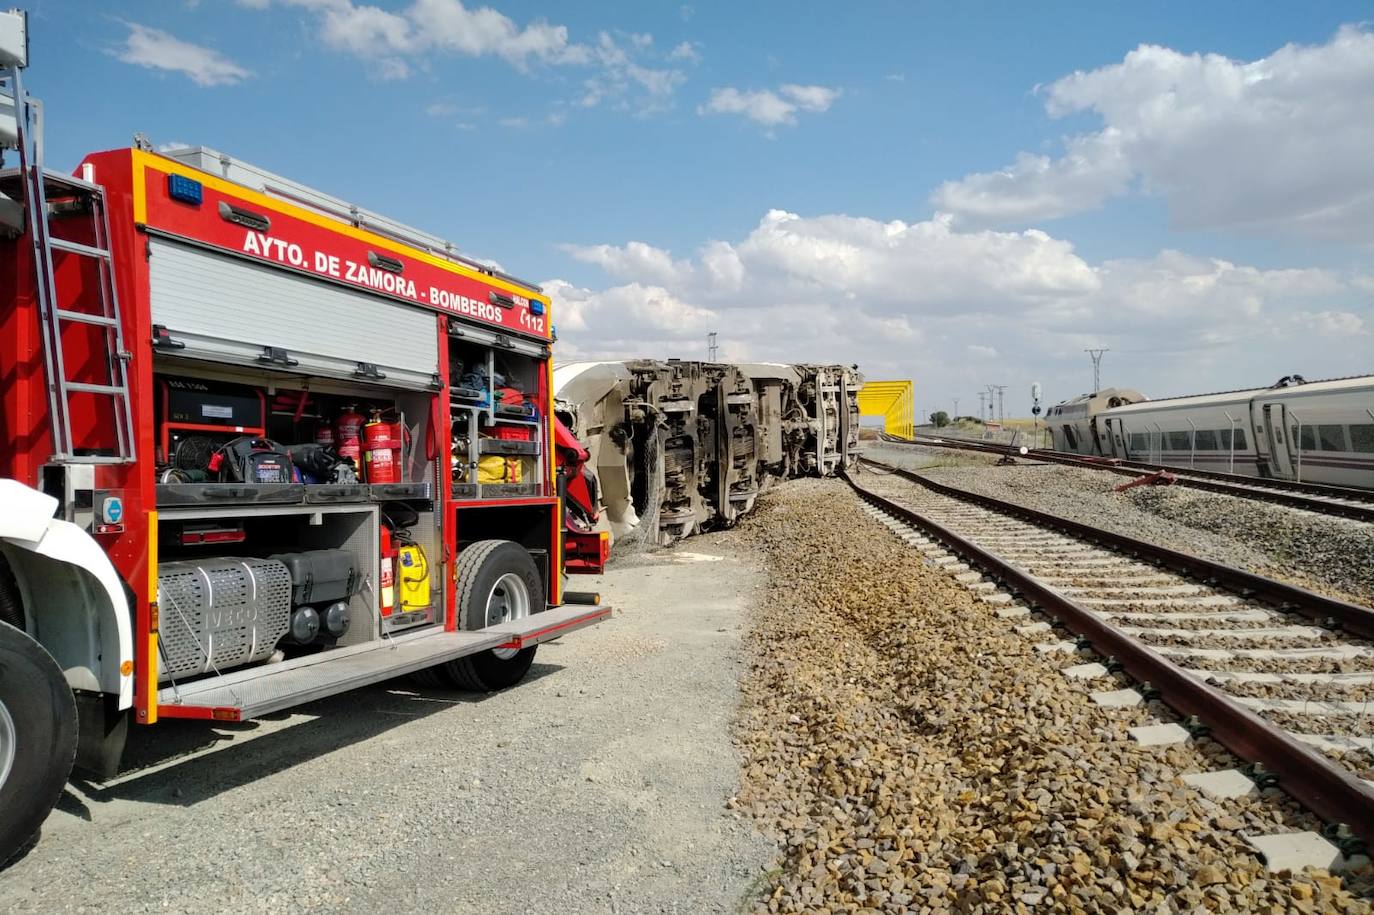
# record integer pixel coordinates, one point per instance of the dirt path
(597, 785)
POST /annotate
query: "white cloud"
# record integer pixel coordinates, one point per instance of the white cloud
(890, 267)
(156, 49)
(448, 108)
(686, 52)
(810, 98)
(621, 72)
(633, 260)
(619, 322)
(556, 119)
(769, 108)
(959, 309)
(429, 25)
(627, 67)
(1332, 323)
(1278, 145)
(389, 68)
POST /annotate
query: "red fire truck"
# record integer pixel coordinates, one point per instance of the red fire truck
(260, 446)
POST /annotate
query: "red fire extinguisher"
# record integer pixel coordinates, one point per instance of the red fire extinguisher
(347, 436)
(382, 450)
(389, 553)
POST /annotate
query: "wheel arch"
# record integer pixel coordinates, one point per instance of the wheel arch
(75, 602)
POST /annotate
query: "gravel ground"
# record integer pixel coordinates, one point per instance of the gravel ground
(1155, 621)
(911, 753)
(1334, 556)
(597, 785)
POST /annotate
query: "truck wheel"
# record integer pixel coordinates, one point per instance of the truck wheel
(497, 583)
(37, 737)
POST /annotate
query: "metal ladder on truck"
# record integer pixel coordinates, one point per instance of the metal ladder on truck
(40, 194)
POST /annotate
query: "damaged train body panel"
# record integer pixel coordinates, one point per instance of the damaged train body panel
(679, 447)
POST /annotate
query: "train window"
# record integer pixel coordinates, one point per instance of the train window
(1332, 438)
(1139, 442)
(1072, 439)
(1178, 441)
(1206, 440)
(1224, 439)
(1307, 440)
(1362, 438)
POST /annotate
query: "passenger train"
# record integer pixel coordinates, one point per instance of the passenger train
(1311, 431)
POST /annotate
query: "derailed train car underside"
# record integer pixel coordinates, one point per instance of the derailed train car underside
(681, 447)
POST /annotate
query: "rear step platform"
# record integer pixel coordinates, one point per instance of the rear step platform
(256, 691)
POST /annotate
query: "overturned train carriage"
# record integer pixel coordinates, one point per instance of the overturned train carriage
(680, 447)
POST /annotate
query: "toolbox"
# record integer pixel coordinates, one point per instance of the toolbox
(320, 576)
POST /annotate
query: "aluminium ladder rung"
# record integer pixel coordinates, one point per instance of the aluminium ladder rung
(82, 387)
(35, 185)
(78, 248)
(81, 317)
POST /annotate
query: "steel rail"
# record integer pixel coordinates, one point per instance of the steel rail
(1324, 787)
(1350, 617)
(1357, 504)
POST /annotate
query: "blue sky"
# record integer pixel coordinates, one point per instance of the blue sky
(632, 153)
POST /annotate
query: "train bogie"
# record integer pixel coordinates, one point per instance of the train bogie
(680, 447)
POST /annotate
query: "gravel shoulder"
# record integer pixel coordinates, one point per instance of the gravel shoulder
(1330, 555)
(597, 785)
(910, 752)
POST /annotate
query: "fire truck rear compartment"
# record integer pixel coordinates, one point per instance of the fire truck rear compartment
(203, 407)
(254, 599)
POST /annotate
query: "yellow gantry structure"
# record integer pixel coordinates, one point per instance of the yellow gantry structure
(894, 401)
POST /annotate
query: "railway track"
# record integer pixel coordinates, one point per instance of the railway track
(1281, 676)
(1345, 502)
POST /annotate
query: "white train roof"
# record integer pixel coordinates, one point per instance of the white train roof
(1220, 398)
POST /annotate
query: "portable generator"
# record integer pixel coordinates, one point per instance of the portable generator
(197, 417)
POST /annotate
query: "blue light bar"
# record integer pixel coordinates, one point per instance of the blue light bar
(187, 190)
(536, 307)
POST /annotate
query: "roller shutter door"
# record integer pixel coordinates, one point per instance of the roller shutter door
(227, 309)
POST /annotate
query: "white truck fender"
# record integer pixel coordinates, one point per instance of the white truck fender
(27, 523)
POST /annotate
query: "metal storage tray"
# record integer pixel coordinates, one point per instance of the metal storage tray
(507, 446)
(508, 490)
(464, 490)
(387, 492)
(336, 492)
(173, 494)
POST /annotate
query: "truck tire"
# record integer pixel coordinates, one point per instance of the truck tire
(37, 738)
(497, 582)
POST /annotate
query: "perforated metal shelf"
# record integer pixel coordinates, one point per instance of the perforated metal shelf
(262, 690)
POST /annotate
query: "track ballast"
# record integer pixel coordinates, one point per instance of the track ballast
(1340, 501)
(1281, 676)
